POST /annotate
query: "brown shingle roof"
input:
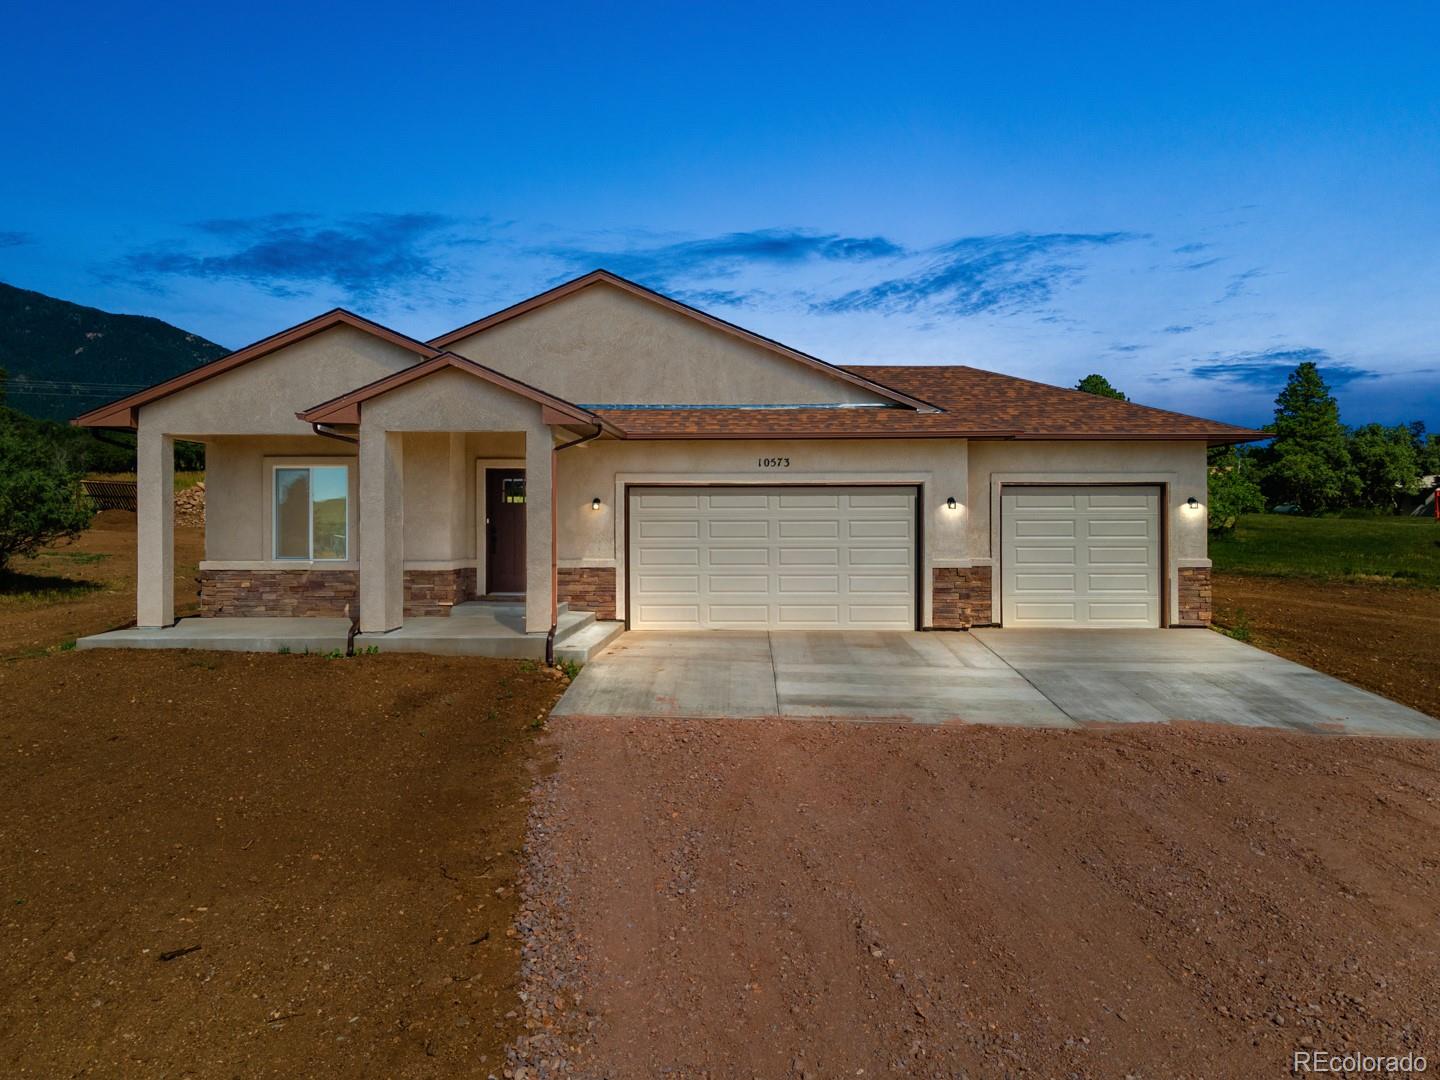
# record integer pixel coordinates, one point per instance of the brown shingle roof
(976, 404)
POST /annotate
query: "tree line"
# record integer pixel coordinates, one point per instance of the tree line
(1314, 463)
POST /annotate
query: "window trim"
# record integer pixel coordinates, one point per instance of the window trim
(273, 493)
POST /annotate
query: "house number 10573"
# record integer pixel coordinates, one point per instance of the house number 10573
(774, 462)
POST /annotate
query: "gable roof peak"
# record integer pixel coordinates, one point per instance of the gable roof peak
(609, 277)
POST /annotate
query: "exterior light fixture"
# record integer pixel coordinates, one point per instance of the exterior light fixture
(1193, 503)
(951, 504)
(595, 503)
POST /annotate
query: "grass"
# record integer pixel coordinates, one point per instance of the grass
(34, 589)
(1399, 550)
(183, 480)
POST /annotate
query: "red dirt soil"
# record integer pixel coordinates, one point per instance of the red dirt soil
(340, 838)
(1380, 637)
(776, 898)
(103, 557)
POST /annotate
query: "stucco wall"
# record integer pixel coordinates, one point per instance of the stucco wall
(237, 493)
(603, 345)
(262, 397)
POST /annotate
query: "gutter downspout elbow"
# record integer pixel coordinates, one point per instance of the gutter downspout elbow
(320, 429)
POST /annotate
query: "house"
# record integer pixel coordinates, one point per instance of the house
(606, 447)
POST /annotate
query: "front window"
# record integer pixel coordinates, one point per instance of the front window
(312, 512)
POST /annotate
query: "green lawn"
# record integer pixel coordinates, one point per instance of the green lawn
(1403, 550)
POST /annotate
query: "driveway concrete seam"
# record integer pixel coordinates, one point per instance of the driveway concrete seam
(774, 674)
(1058, 707)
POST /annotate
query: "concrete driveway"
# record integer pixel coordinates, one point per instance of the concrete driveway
(1032, 678)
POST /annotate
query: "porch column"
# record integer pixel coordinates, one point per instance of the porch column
(155, 528)
(382, 524)
(539, 459)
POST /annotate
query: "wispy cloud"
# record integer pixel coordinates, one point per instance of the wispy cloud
(363, 255)
(1191, 248)
(664, 265)
(1239, 284)
(1268, 369)
(981, 274)
(15, 238)
(1177, 328)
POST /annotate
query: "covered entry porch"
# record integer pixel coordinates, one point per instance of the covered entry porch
(424, 499)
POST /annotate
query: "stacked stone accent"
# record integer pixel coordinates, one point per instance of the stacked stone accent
(286, 593)
(435, 592)
(1196, 605)
(961, 597)
(588, 588)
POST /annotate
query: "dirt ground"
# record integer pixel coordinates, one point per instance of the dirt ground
(339, 838)
(88, 586)
(1381, 637)
(778, 898)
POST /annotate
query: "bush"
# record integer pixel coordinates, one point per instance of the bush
(40, 494)
(1234, 489)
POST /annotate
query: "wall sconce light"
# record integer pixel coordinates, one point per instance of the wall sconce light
(951, 504)
(595, 503)
(1192, 503)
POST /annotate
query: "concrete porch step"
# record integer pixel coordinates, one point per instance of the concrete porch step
(586, 643)
(450, 636)
(493, 609)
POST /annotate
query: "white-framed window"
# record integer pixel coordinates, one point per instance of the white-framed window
(311, 512)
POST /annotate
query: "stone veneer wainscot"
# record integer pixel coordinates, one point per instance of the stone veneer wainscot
(284, 593)
(961, 597)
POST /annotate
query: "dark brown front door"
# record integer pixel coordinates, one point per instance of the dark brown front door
(505, 530)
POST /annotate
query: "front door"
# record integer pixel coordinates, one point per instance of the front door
(504, 531)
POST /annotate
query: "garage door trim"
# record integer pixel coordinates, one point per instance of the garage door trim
(768, 482)
(1161, 487)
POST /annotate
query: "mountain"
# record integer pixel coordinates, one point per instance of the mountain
(64, 359)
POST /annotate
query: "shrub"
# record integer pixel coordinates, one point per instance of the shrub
(1234, 489)
(40, 494)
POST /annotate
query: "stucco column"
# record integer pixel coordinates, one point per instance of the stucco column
(462, 534)
(155, 527)
(539, 457)
(382, 527)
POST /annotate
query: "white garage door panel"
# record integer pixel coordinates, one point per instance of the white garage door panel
(762, 558)
(1080, 556)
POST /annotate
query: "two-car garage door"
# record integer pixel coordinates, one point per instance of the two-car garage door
(1080, 556)
(782, 558)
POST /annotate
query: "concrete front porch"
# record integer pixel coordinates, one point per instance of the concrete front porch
(476, 628)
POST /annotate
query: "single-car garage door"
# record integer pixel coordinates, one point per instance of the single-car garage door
(772, 558)
(1080, 556)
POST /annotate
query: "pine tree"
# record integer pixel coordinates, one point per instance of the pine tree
(1309, 461)
(1100, 387)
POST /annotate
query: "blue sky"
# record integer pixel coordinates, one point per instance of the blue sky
(1187, 198)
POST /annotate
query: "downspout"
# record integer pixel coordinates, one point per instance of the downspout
(354, 616)
(555, 541)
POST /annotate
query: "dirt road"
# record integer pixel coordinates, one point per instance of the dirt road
(1381, 637)
(800, 899)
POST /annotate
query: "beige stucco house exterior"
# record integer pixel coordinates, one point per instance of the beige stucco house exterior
(607, 447)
